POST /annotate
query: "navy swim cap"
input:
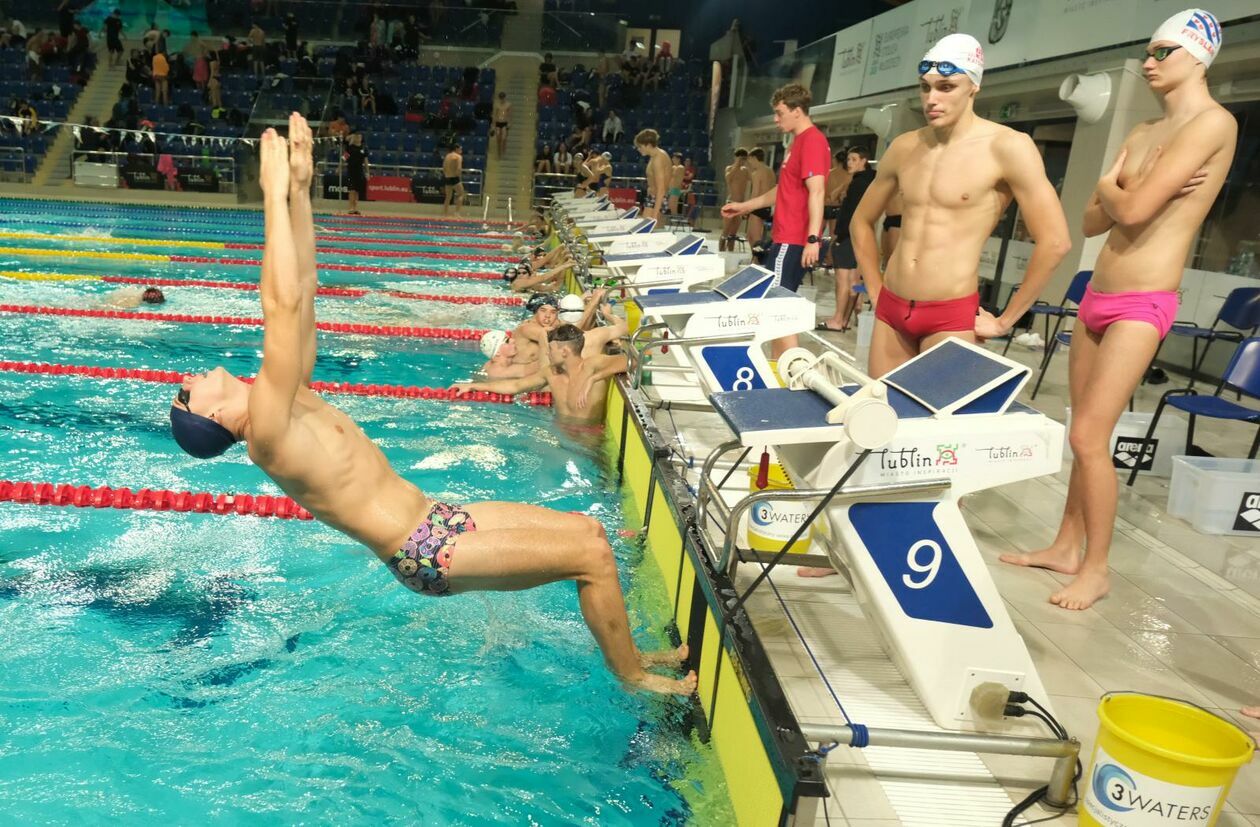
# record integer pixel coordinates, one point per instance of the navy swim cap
(539, 300)
(198, 435)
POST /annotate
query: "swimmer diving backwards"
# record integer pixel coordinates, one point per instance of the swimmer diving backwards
(321, 458)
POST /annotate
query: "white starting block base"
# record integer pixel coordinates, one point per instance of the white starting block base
(913, 563)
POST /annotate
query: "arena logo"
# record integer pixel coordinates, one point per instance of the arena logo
(1117, 799)
(1248, 516)
(1130, 451)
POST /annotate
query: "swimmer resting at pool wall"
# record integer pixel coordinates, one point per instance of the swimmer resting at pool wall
(324, 461)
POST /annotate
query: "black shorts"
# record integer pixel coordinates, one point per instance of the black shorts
(113, 44)
(765, 213)
(892, 222)
(358, 184)
(831, 213)
(785, 261)
(452, 181)
(842, 255)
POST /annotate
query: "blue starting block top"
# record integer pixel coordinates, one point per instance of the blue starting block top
(953, 378)
(752, 282)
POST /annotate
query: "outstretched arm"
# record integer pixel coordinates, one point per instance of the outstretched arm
(1043, 214)
(533, 382)
(271, 397)
(303, 226)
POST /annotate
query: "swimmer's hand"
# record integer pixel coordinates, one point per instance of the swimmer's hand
(273, 171)
(462, 387)
(1113, 175)
(300, 143)
(1193, 184)
(989, 326)
(732, 209)
(584, 394)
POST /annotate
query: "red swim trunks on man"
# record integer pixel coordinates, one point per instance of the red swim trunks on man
(919, 319)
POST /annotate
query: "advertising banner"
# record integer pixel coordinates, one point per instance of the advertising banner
(849, 63)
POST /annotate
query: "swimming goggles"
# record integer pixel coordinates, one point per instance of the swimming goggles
(1161, 52)
(943, 68)
(183, 397)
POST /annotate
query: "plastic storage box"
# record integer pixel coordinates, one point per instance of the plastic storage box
(1169, 440)
(1216, 495)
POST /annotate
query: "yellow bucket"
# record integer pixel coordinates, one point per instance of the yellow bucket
(770, 523)
(1160, 761)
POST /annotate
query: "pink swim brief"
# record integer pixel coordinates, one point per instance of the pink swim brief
(1157, 308)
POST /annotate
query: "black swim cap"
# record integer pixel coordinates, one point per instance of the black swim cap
(510, 273)
(152, 295)
(541, 300)
(199, 435)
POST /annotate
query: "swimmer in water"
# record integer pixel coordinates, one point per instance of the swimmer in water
(325, 462)
(134, 297)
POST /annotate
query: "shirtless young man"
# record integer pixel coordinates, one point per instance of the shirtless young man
(322, 459)
(515, 354)
(956, 177)
(1151, 204)
(501, 117)
(837, 182)
(761, 181)
(676, 173)
(658, 168)
(452, 183)
(738, 178)
(546, 280)
(576, 372)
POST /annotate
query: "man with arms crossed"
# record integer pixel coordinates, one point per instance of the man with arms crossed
(658, 169)
(956, 177)
(798, 198)
(321, 458)
(1151, 204)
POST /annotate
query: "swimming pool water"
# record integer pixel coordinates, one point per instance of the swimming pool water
(190, 668)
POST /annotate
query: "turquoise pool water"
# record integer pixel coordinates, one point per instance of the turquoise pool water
(165, 667)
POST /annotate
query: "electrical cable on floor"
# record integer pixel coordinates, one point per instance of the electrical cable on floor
(1013, 709)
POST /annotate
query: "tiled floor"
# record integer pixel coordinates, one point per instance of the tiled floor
(1183, 619)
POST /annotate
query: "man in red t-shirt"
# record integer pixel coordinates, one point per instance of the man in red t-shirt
(798, 198)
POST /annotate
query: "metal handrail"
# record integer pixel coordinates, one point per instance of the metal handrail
(222, 165)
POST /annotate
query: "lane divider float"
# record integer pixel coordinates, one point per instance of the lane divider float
(150, 499)
(249, 262)
(323, 290)
(171, 377)
(242, 321)
(111, 241)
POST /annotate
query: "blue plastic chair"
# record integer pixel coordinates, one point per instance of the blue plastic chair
(1241, 311)
(1242, 376)
(1071, 300)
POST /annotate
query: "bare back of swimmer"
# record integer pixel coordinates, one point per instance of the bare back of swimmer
(321, 458)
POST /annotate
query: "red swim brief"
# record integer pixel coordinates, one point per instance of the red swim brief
(919, 319)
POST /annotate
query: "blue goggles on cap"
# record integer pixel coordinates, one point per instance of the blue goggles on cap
(943, 68)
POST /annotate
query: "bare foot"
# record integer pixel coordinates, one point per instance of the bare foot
(1055, 558)
(663, 685)
(671, 657)
(813, 571)
(1087, 589)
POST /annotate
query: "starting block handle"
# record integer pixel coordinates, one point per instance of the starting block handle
(870, 421)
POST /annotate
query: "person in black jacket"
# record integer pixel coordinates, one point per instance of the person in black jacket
(857, 162)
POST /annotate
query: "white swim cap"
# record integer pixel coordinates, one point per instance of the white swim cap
(960, 49)
(491, 341)
(571, 308)
(607, 155)
(1195, 30)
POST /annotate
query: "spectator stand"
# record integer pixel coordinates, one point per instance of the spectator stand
(51, 96)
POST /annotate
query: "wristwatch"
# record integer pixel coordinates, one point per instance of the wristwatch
(813, 239)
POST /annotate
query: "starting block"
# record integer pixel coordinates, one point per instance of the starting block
(948, 415)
